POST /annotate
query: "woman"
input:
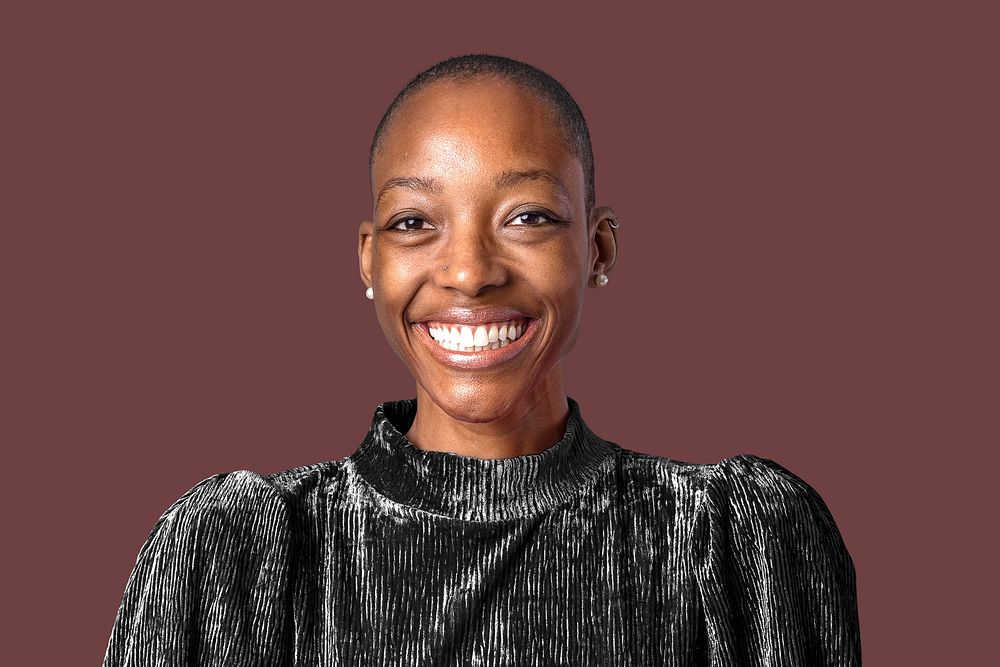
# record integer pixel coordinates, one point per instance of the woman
(483, 522)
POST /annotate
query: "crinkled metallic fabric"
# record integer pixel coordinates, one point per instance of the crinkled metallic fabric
(584, 554)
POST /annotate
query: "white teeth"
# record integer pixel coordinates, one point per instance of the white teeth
(467, 338)
(481, 336)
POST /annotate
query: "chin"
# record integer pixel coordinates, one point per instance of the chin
(471, 407)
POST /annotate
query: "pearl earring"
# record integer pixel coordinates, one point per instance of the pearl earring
(370, 293)
(601, 280)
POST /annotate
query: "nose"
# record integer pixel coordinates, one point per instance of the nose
(469, 262)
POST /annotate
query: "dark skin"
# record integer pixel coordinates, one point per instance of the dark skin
(479, 203)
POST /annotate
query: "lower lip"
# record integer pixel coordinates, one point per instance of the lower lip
(480, 359)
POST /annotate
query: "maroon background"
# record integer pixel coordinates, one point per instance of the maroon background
(807, 270)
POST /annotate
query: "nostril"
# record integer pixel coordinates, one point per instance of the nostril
(471, 277)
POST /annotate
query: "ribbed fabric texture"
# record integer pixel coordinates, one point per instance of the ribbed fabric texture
(584, 554)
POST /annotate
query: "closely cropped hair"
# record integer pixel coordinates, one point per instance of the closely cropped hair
(566, 109)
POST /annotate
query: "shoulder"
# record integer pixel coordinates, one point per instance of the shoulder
(754, 471)
(226, 493)
(649, 470)
(237, 515)
(743, 478)
(773, 573)
(320, 478)
(757, 505)
(743, 475)
(245, 495)
(218, 557)
(751, 486)
(746, 494)
(231, 505)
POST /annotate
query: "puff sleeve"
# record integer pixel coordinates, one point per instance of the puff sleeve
(777, 584)
(209, 586)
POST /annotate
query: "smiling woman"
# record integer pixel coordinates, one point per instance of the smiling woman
(483, 522)
(482, 222)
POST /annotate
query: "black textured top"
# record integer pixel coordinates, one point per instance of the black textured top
(583, 554)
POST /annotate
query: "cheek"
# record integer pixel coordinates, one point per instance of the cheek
(396, 271)
(561, 277)
(395, 279)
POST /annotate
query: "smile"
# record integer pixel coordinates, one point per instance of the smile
(486, 336)
(457, 344)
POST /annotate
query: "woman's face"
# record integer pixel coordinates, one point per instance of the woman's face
(480, 247)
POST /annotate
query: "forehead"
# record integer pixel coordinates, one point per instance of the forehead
(481, 125)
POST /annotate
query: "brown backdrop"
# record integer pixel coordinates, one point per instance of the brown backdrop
(807, 270)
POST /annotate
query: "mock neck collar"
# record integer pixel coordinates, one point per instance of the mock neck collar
(475, 489)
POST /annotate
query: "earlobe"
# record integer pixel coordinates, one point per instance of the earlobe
(603, 245)
(365, 252)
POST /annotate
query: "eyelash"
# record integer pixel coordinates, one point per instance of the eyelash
(538, 214)
(395, 228)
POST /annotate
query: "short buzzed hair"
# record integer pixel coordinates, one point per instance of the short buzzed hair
(567, 112)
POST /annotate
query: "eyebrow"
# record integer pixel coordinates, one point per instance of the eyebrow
(412, 182)
(506, 180)
(509, 179)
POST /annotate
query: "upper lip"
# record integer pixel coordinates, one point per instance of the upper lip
(472, 316)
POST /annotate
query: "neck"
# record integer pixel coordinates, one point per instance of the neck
(534, 423)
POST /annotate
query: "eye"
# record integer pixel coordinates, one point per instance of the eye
(533, 219)
(410, 224)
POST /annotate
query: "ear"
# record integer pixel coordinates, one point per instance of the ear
(365, 252)
(603, 227)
